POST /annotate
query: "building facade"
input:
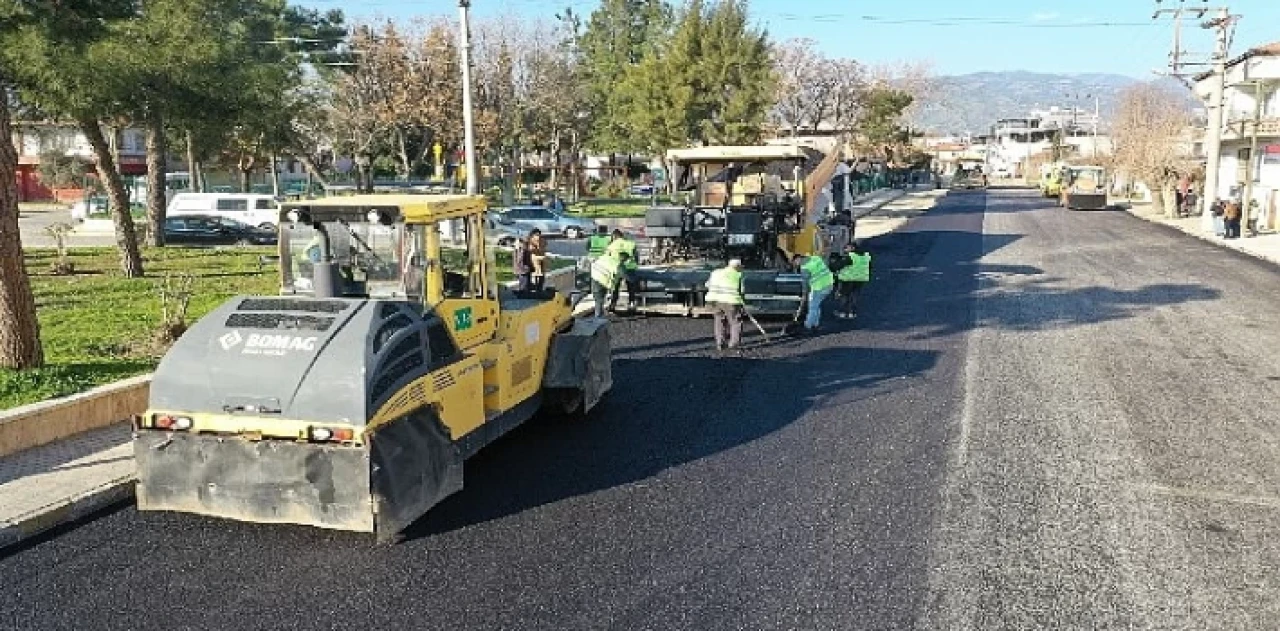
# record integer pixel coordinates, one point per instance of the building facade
(33, 139)
(1251, 115)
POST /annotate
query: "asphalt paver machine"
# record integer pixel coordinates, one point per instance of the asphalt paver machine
(760, 204)
(352, 400)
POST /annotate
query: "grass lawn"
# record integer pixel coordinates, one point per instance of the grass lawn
(95, 325)
(619, 208)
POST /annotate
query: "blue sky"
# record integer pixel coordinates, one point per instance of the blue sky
(1065, 36)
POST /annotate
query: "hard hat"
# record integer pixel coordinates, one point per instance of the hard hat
(735, 262)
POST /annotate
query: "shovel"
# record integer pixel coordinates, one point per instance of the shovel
(757, 323)
(792, 327)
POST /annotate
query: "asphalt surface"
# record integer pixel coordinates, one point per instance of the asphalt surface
(1043, 419)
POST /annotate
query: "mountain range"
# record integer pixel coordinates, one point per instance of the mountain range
(972, 102)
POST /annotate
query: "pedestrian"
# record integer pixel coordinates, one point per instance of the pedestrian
(619, 246)
(818, 280)
(522, 264)
(1254, 214)
(727, 299)
(850, 279)
(1189, 204)
(603, 272)
(1219, 223)
(1231, 215)
(537, 259)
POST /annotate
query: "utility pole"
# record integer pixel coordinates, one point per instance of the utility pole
(1213, 139)
(1215, 104)
(1097, 113)
(468, 124)
(1253, 150)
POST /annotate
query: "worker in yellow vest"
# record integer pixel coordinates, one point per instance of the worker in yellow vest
(598, 243)
(603, 271)
(818, 281)
(619, 246)
(727, 300)
(854, 272)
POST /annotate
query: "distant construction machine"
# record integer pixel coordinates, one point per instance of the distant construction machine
(1083, 188)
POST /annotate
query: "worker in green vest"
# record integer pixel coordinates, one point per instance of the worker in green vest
(604, 272)
(727, 299)
(598, 242)
(618, 247)
(818, 281)
(852, 275)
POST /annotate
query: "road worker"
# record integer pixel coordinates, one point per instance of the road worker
(598, 242)
(619, 246)
(604, 273)
(727, 299)
(818, 281)
(850, 277)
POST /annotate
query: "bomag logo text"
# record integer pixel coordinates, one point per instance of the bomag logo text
(263, 344)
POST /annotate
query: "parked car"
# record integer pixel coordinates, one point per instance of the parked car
(250, 208)
(549, 221)
(502, 234)
(214, 230)
(642, 190)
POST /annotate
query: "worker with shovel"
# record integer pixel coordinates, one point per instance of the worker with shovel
(727, 300)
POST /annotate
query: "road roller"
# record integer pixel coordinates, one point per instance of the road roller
(351, 400)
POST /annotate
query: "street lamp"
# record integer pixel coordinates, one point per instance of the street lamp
(468, 124)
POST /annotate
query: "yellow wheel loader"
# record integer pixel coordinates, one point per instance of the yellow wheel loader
(352, 400)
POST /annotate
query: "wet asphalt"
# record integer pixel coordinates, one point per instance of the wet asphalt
(1041, 419)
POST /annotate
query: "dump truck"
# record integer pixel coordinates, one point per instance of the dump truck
(351, 400)
(761, 204)
(1084, 188)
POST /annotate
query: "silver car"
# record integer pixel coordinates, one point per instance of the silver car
(502, 234)
(547, 220)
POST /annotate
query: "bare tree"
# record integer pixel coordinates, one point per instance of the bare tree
(359, 99)
(1146, 135)
(797, 63)
(813, 89)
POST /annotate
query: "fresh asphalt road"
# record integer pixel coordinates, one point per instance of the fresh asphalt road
(1044, 419)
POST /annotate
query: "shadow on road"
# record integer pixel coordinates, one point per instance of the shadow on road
(663, 412)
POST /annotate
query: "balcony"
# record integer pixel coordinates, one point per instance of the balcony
(1243, 129)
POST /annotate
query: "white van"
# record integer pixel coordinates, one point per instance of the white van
(256, 210)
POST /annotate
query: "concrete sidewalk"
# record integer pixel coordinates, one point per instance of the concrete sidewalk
(49, 485)
(1265, 246)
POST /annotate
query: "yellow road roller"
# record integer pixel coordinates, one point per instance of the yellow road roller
(351, 400)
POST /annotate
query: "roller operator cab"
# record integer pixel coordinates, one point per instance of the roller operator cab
(760, 204)
(351, 400)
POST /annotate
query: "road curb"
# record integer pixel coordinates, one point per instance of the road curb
(66, 510)
(1204, 236)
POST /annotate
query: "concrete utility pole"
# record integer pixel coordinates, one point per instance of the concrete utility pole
(1213, 137)
(1097, 113)
(1253, 150)
(468, 124)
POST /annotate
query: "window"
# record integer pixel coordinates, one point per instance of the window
(175, 224)
(232, 204)
(541, 214)
(264, 204)
(201, 224)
